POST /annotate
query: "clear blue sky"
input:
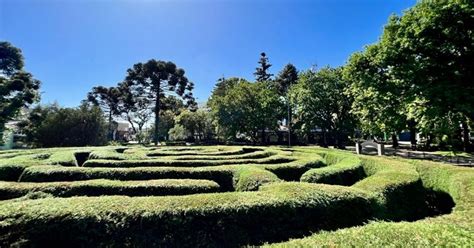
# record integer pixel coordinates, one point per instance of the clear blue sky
(74, 45)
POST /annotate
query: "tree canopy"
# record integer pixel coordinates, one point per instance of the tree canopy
(156, 79)
(18, 88)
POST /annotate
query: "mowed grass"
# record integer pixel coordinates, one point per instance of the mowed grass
(232, 196)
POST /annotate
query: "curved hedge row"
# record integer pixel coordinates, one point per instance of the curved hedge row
(277, 212)
(9, 190)
(451, 230)
(346, 171)
(183, 163)
(230, 178)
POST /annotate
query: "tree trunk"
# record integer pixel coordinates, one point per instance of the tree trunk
(157, 117)
(110, 126)
(325, 144)
(412, 127)
(263, 136)
(394, 140)
(465, 136)
(429, 141)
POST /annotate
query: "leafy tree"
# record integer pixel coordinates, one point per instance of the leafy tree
(376, 104)
(197, 123)
(135, 107)
(108, 99)
(247, 109)
(52, 126)
(261, 72)
(155, 80)
(178, 132)
(424, 60)
(319, 103)
(167, 122)
(18, 88)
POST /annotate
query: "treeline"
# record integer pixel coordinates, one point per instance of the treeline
(417, 77)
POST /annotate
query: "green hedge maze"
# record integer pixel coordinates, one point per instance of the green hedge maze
(230, 196)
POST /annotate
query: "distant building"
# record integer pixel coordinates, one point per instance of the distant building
(122, 131)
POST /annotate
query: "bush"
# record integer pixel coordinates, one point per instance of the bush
(53, 126)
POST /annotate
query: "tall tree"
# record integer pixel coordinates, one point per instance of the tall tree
(18, 88)
(107, 98)
(285, 79)
(261, 72)
(423, 62)
(158, 79)
(377, 103)
(135, 107)
(319, 102)
(247, 109)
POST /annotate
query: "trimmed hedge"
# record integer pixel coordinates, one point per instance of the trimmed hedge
(292, 171)
(450, 230)
(222, 175)
(277, 212)
(198, 152)
(398, 187)
(247, 178)
(183, 163)
(240, 178)
(100, 187)
(346, 171)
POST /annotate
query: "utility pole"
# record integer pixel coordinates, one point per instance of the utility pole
(289, 122)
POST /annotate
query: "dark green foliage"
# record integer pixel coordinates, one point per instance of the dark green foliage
(11, 172)
(247, 109)
(18, 88)
(422, 68)
(170, 79)
(108, 98)
(53, 126)
(287, 77)
(319, 102)
(261, 73)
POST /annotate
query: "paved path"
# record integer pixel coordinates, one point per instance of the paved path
(408, 153)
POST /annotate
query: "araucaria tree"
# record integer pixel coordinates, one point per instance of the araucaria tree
(17, 88)
(157, 79)
(108, 99)
(261, 72)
